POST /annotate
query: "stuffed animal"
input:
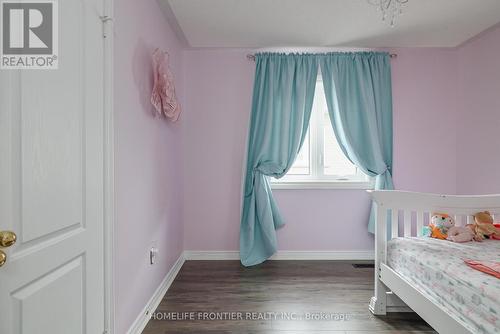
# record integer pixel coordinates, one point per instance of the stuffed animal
(439, 225)
(461, 233)
(498, 227)
(483, 227)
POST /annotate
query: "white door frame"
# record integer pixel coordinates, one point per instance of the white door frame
(109, 196)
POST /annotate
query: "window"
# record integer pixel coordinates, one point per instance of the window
(321, 163)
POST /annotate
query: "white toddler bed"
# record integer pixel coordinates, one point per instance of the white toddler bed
(429, 275)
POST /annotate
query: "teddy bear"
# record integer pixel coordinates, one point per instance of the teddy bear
(483, 227)
(439, 225)
(461, 233)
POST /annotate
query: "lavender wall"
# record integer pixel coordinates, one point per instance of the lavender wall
(479, 127)
(147, 160)
(425, 119)
(218, 86)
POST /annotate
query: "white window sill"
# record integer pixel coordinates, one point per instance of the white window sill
(322, 185)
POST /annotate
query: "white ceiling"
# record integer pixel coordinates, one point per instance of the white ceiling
(327, 23)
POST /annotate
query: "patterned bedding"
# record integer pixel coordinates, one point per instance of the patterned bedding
(435, 268)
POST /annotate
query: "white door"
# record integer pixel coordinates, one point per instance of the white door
(51, 184)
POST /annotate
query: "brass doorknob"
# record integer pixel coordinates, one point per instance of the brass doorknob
(7, 238)
(3, 258)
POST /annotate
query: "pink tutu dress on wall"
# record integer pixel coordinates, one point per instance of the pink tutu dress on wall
(163, 96)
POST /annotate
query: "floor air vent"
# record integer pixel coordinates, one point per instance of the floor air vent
(363, 265)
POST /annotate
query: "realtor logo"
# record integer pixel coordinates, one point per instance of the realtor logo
(29, 34)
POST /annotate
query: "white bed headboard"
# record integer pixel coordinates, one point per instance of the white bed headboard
(410, 211)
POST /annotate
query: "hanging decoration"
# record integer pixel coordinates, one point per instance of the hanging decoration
(163, 97)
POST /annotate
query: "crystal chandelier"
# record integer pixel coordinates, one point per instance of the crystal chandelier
(390, 9)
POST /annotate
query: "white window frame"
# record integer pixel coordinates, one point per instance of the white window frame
(317, 179)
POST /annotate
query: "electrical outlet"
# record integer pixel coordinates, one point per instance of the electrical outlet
(153, 253)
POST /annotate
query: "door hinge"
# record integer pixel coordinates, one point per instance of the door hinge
(105, 19)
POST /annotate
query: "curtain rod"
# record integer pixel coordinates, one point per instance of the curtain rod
(251, 56)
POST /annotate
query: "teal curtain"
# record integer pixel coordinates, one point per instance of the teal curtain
(281, 107)
(359, 98)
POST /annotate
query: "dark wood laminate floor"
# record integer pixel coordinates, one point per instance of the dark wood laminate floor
(285, 292)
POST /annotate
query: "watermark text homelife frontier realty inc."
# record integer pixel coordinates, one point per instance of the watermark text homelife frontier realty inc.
(253, 316)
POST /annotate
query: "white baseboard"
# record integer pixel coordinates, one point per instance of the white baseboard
(143, 318)
(285, 255)
(211, 255)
